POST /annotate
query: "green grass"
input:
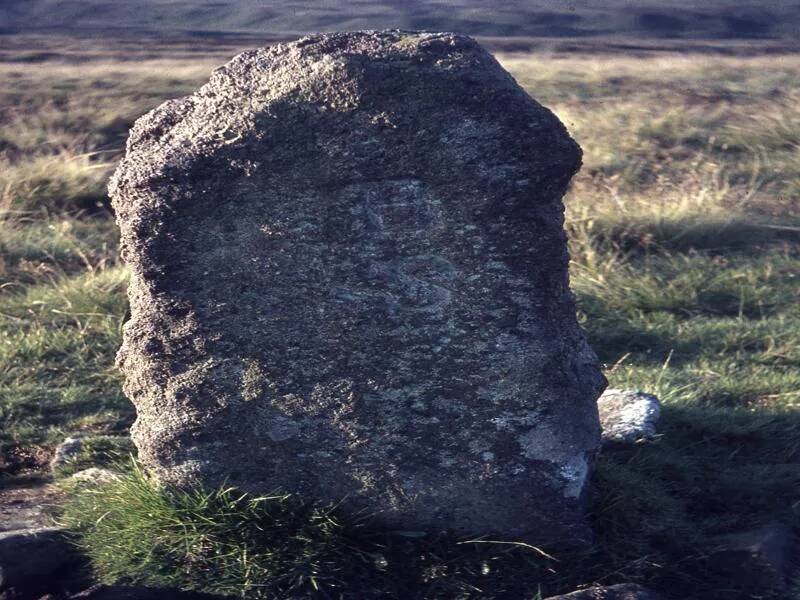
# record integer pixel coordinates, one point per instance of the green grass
(38, 249)
(57, 346)
(276, 546)
(683, 229)
(216, 540)
(53, 182)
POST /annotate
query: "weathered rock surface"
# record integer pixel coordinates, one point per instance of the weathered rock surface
(627, 416)
(349, 281)
(623, 591)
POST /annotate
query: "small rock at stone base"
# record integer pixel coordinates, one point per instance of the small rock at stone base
(65, 451)
(627, 416)
(94, 476)
(624, 591)
(32, 561)
(762, 559)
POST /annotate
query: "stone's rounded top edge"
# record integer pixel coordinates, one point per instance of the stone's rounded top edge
(372, 41)
(279, 70)
(376, 46)
(369, 42)
(310, 71)
(389, 34)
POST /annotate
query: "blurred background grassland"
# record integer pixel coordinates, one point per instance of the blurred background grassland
(684, 232)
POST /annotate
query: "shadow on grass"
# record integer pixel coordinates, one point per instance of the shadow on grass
(659, 508)
(714, 235)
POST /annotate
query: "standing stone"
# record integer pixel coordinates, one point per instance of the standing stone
(349, 281)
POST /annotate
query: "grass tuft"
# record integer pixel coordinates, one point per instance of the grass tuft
(134, 530)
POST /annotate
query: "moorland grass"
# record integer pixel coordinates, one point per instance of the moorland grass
(53, 182)
(218, 540)
(57, 346)
(277, 546)
(683, 230)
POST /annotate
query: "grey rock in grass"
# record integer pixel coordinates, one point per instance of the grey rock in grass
(94, 476)
(623, 591)
(627, 416)
(33, 561)
(76, 454)
(66, 451)
(349, 281)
